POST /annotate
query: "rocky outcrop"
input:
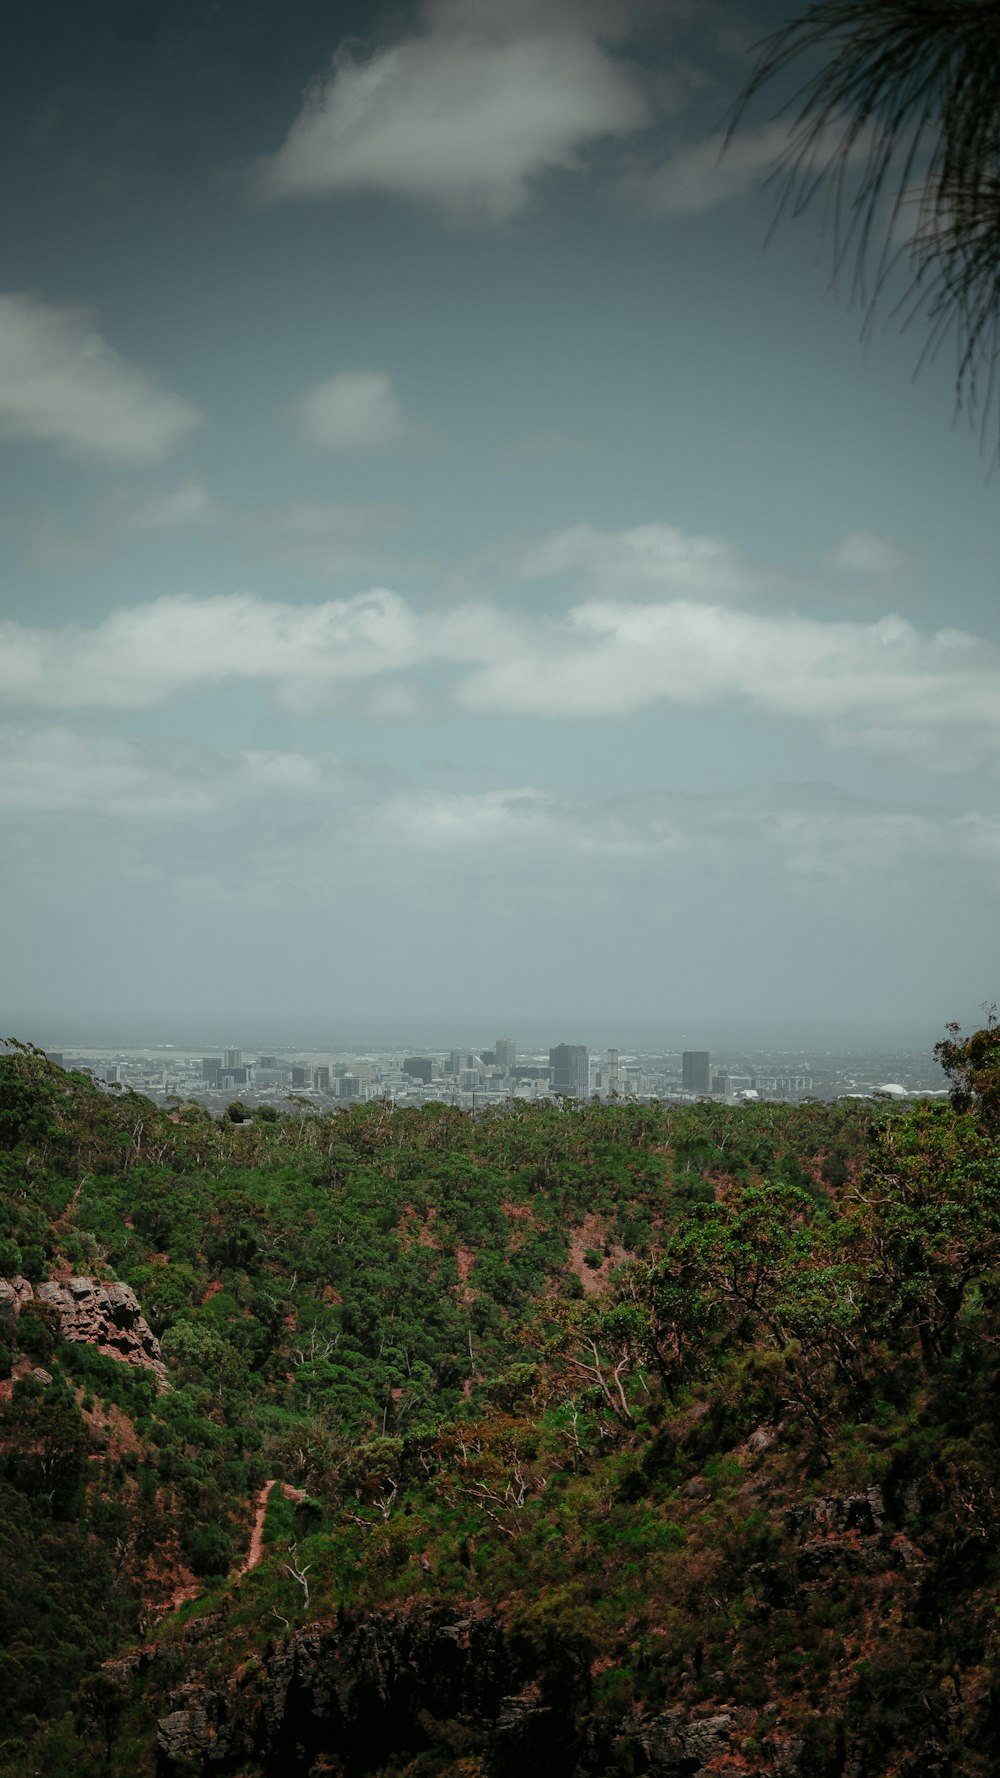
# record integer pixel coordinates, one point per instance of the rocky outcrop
(107, 1316)
(364, 1692)
(15, 1293)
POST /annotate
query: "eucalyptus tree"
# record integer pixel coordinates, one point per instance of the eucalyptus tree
(897, 123)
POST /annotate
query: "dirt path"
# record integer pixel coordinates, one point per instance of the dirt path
(256, 1550)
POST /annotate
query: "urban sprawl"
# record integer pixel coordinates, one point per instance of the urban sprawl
(474, 1079)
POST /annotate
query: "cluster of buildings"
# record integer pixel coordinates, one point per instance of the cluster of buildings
(475, 1078)
(461, 1077)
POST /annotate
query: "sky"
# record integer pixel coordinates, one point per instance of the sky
(463, 571)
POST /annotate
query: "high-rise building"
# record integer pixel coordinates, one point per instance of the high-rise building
(234, 1059)
(506, 1053)
(321, 1079)
(267, 1062)
(300, 1077)
(569, 1069)
(419, 1067)
(211, 1067)
(696, 1071)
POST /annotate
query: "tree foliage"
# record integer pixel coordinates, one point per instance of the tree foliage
(602, 1369)
(900, 124)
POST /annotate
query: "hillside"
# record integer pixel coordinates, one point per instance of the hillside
(578, 1438)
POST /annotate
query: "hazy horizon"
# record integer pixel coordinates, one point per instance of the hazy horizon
(670, 1037)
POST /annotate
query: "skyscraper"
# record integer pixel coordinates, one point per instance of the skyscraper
(419, 1068)
(234, 1059)
(696, 1072)
(506, 1053)
(569, 1066)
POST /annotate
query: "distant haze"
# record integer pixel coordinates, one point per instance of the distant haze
(719, 1038)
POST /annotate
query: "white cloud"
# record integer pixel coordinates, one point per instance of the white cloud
(271, 825)
(882, 685)
(465, 114)
(698, 176)
(654, 558)
(56, 771)
(60, 382)
(930, 699)
(144, 654)
(491, 817)
(190, 504)
(356, 410)
(862, 552)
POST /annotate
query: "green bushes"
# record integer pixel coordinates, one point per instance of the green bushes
(378, 1307)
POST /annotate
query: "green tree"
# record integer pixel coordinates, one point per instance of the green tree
(972, 1065)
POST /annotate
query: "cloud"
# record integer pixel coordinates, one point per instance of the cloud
(654, 558)
(57, 771)
(698, 176)
(329, 539)
(145, 654)
(61, 383)
(659, 618)
(862, 552)
(252, 884)
(356, 410)
(881, 685)
(269, 825)
(465, 114)
(190, 504)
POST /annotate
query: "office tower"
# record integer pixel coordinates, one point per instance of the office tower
(267, 1062)
(569, 1068)
(321, 1079)
(454, 1062)
(211, 1067)
(300, 1077)
(234, 1059)
(419, 1067)
(506, 1054)
(696, 1073)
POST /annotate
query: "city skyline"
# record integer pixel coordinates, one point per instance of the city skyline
(334, 1079)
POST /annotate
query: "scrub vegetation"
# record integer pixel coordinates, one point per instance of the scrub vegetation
(697, 1405)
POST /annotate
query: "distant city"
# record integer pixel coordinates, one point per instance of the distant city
(474, 1079)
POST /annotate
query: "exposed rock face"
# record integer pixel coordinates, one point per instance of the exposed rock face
(14, 1294)
(350, 1697)
(107, 1316)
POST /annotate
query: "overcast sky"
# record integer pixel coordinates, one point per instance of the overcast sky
(456, 578)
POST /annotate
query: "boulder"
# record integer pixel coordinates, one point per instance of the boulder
(107, 1316)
